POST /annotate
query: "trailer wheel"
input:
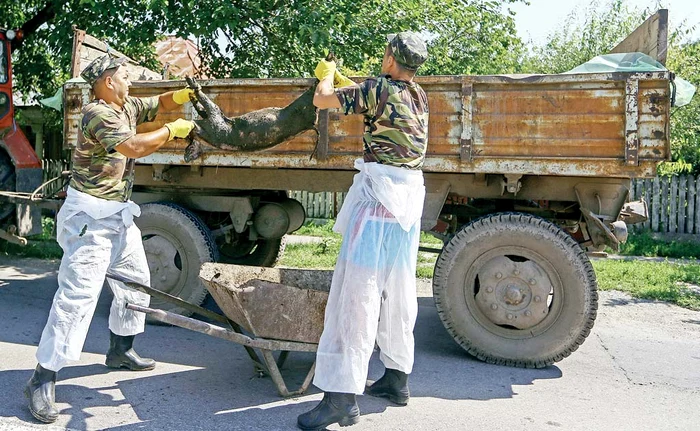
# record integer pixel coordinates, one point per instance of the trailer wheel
(261, 252)
(177, 243)
(7, 183)
(514, 289)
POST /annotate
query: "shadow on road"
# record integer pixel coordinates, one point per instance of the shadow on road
(204, 380)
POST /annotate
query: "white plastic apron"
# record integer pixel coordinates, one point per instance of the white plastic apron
(97, 236)
(373, 292)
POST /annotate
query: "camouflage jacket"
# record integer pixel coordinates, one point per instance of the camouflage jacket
(395, 117)
(98, 169)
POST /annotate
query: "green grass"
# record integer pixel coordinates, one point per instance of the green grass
(313, 229)
(644, 244)
(664, 281)
(43, 246)
(325, 254)
(321, 255)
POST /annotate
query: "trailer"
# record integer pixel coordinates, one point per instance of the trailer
(525, 175)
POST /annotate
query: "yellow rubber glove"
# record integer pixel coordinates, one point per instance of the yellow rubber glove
(182, 96)
(340, 80)
(324, 69)
(179, 128)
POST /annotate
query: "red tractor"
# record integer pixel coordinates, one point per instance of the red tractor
(20, 168)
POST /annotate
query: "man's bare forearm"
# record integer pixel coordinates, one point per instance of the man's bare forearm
(166, 102)
(143, 144)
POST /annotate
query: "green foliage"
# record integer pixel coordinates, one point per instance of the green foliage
(662, 281)
(595, 31)
(684, 60)
(645, 244)
(287, 38)
(584, 35)
(42, 62)
(266, 39)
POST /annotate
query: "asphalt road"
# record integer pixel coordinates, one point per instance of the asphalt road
(638, 370)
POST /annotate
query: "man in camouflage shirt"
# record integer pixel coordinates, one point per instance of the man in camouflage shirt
(96, 231)
(373, 292)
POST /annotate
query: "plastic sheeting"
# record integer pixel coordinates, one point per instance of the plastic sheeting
(635, 62)
(93, 247)
(373, 293)
(56, 101)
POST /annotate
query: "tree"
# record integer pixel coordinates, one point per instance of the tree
(41, 62)
(600, 30)
(259, 38)
(288, 38)
(684, 60)
(584, 35)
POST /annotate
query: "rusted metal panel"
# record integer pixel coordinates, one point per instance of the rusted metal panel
(631, 126)
(465, 140)
(578, 125)
(322, 145)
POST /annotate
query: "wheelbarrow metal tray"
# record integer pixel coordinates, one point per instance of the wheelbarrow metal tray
(272, 303)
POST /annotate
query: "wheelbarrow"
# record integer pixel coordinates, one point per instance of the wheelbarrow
(268, 309)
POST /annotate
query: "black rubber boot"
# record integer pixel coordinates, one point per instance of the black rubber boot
(41, 393)
(335, 407)
(122, 355)
(393, 385)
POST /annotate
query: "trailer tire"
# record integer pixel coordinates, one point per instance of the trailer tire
(488, 276)
(7, 183)
(262, 252)
(177, 243)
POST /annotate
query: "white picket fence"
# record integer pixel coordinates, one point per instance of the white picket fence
(674, 203)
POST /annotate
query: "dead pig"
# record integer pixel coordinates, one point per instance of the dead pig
(256, 130)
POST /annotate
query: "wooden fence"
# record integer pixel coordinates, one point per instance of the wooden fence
(674, 203)
(319, 205)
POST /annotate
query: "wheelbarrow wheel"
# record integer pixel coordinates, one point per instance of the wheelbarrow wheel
(177, 243)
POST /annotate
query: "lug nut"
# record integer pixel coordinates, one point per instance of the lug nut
(538, 299)
(494, 307)
(528, 313)
(489, 289)
(499, 275)
(509, 316)
(516, 272)
(532, 281)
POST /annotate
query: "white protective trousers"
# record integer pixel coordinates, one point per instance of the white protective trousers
(98, 237)
(373, 292)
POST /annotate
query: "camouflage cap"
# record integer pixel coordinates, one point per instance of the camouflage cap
(98, 66)
(408, 49)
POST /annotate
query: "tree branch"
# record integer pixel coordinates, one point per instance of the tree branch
(44, 15)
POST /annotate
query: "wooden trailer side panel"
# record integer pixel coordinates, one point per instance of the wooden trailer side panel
(612, 124)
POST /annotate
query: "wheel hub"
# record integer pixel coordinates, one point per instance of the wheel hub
(160, 254)
(513, 293)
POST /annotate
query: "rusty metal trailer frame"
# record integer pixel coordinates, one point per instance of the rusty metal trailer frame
(269, 365)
